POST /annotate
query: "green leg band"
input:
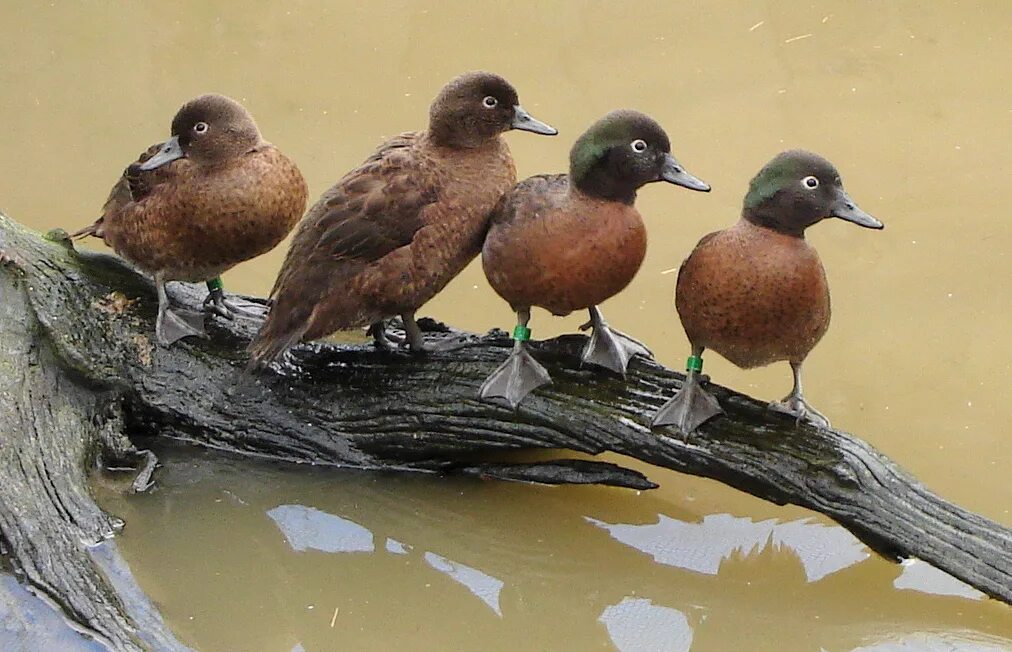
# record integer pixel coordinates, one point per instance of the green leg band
(521, 333)
(215, 284)
(694, 363)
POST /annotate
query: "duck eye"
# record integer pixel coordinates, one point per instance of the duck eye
(639, 145)
(200, 127)
(490, 102)
(810, 182)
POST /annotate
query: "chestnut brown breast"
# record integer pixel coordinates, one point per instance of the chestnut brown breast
(550, 245)
(187, 223)
(753, 295)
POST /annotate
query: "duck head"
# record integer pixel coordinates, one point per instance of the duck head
(475, 108)
(623, 151)
(798, 189)
(209, 129)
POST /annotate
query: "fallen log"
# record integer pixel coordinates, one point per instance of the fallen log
(81, 377)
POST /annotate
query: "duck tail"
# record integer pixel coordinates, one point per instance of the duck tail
(94, 229)
(282, 330)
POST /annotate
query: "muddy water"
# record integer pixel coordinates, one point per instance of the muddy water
(912, 103)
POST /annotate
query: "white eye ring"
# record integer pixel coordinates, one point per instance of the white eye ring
(200, 127)
(638, 145)
(490, 102)
(810, 182)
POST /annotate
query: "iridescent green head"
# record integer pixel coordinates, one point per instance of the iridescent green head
(798, 189)
(622, 152)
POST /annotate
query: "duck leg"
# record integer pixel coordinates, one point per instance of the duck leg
(381, 339)
(520, 374)
(608, 347)
(442, 344)
(692, 405)
(217, 304)
(175, 323)
(796, 405)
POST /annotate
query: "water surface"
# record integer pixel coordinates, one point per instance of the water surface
(911, 101)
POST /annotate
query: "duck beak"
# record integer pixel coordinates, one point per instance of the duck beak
(845, 209)
(169, 152)
(673, 172)
(524, 121)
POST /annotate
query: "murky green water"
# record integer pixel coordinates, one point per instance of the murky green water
(911, 102)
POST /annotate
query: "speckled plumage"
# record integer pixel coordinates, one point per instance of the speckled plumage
(576, 252)
(757, 292)
(568, 242)
(394, 231)
(187, 221)
(214, 195)
(754, 295)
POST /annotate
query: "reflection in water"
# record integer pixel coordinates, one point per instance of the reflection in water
(822, 549)
(484, 587)
(396, 547)
(946, 642)
(307, 528)
(638, 625)
(136, 603)
(27, 623)
(922, 576)
(471, 565)
(701, 547)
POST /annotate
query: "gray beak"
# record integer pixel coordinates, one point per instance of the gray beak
(845, 209)
(673, 172)
(524, 121)
(169, 152)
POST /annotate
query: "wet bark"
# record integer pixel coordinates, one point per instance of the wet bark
(81, 377)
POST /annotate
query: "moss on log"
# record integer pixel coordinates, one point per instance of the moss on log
(80, 375)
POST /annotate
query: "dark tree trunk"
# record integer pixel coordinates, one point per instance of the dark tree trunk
(79, 373)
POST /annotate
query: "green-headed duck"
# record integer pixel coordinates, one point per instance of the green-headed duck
(756, 293)
(567, 242)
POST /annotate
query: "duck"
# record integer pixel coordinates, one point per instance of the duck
(391, 233)
(756, 293)
(213, 195)
(568, 242)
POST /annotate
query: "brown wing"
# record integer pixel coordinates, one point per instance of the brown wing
(133, 185)
(529, 198)
(374, 210)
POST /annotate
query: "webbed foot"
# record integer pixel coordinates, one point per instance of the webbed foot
(515, 378)
(383, 340)
(691, 407)
(796, 406)
(610, 348)
(217, 304)
(176, 323)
